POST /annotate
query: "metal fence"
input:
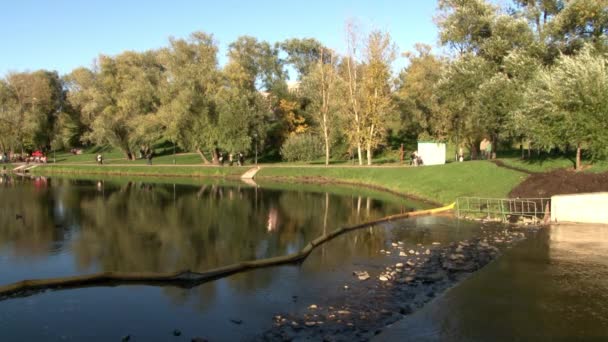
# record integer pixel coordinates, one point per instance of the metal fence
(505, 209)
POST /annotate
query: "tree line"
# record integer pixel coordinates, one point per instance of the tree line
(532, 70)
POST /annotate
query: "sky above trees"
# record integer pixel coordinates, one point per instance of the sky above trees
(65, 34)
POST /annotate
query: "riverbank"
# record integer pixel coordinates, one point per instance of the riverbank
(440, 184)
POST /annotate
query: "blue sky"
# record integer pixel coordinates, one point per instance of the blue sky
(64, 34)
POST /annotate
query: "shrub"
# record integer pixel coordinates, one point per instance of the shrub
(302, 147)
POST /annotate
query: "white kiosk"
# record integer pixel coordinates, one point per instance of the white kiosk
(432, 153)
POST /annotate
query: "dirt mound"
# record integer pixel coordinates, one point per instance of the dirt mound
(560, 182)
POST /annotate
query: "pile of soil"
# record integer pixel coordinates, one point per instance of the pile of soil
(560, 182)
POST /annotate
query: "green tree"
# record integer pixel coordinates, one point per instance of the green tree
(304, 54)
(188, 109)
(126, 88)
(323, 87)
(567, 105)
(418, 101)
(377, 98)
(30, 104)
(579, 22)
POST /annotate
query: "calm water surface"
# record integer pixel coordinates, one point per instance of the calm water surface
(61, 227)
(551, 287)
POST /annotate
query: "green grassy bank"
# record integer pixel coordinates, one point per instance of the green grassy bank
(439, 184)
(142, 170)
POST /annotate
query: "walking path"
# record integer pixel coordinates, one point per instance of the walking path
(251, 173)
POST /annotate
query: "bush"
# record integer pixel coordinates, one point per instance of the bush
(302, 147)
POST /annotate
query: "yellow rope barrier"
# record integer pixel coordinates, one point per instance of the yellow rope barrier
(187, 278)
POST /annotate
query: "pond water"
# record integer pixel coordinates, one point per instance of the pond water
(553, 286)
(60, 227)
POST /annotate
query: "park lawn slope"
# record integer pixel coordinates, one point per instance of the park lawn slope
(143, 170)
(440, 184)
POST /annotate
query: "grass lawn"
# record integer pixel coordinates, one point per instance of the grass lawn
(442, 183)
(550, 163)
(142, 170)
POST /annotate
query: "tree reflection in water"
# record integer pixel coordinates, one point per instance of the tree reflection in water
(137, 226)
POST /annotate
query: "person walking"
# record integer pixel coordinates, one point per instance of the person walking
(99, 159)
(489, 150)
(149, 157)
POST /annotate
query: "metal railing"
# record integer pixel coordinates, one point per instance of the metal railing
(504, 209)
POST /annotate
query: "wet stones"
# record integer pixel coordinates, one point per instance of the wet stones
(361, 275)
(410, 278)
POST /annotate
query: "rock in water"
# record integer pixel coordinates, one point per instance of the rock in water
(383, 278)
(177, 332)
(361, 275)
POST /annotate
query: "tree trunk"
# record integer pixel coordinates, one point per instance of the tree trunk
(326, 137)
(578, 157)
(215, 153)
(474, 147)
(360, 153)
(128, 154)
(200, 153)
(369, 144)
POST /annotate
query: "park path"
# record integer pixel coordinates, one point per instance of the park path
(250, 173)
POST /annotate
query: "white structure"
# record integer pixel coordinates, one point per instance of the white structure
(583, 208)
(432, 153)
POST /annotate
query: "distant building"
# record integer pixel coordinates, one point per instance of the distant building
(293, 86)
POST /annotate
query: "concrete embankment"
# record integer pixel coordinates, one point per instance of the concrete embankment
(580, 208)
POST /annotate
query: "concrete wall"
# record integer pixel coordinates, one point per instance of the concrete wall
(583, 208)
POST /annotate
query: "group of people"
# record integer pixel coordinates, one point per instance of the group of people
(25, 158)
(485, 148)
(240, 159)
(415, 159)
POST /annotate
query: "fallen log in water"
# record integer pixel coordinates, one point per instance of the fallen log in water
(187, 278)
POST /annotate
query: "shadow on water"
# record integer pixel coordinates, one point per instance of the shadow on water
(553, 286)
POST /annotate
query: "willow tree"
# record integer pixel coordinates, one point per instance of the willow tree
(116, 96)
(30, 103)
(567, 104)
(188, 97)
